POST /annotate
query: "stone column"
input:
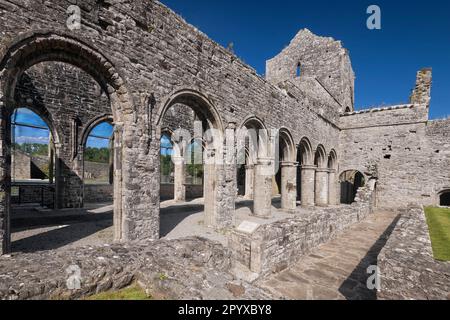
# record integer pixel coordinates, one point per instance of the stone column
(321, 194)
(332, 188)
(179, 179)
(210, 186)
(262, 202)
(5, 181)
(288, 186)
(308, 185)
(249, 181)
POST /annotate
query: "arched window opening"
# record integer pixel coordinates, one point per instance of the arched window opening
(350, 181)
(167, 167)
(98, 161)
(194, 164)
(32, 157)
(298, 71)
(444, 199)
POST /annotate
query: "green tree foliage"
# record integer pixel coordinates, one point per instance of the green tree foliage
(166, 165)
(33, 149)
(97, 155)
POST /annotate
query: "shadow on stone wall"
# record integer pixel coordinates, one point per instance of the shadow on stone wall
(351, 288)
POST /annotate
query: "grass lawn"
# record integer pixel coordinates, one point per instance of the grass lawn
(439, 223)
(131, 293)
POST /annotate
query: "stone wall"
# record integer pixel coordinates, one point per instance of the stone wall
(21, 168)
(141, 52)
(275, 246)
(325, 70)
(408, 269)
(98, 193)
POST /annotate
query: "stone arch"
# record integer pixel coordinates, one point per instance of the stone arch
(33, 48)
(305, 153)
(287, 146)
(206, 111)
(320, 157)
(444, 198)
(199, 102)
(350, 182)
(332, 160)
(92, 124)
(286, 177)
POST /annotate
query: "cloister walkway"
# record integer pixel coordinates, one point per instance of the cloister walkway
(336, 270)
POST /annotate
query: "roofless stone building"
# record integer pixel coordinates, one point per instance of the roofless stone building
(132, 61)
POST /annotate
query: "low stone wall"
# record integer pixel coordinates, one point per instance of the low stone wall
(190, 268)
(274, 247)
(408, 269)
(97, 193)
(192, 191)
(27, 193)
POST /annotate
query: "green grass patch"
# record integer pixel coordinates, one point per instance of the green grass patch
(439, 224)
(133, 292)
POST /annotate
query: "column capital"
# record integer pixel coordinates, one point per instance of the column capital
(322, 170)
(308, 167)
(265, 161)
(250, 166)
(288, 164)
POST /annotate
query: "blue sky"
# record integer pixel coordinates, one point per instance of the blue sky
(24, 134)
(414, 35)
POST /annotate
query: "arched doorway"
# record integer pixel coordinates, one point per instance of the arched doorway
(197, 133)
(305, 173)
(253, 145)
(350, 181)
(60, 49)
(321, 179)
(98, 163)
(444, 198)
(32, 160)
(287, 170)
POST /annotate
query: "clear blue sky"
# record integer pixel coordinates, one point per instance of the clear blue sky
(415, 34)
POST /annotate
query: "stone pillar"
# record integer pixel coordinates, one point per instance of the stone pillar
(5, 181)
(179, 179)
(332, 188)
(308, 185)
(288, 186)
(210, 186)
(262, 202)
(249, 181)
(321, 194)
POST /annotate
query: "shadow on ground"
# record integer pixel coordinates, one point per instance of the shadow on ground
(355, 288)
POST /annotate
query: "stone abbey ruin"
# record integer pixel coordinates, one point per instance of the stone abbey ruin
(141, 68)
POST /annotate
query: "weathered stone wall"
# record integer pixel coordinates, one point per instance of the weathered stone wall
(141, 49)
(276, 246)
(399, 146)
(21, 168)
(98, 193)
(64, 96)
(408, 269)
(325, 68)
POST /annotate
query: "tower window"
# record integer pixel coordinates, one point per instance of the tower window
(298, 71)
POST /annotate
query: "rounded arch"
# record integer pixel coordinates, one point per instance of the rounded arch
(444, 197)
(53, 46)
(48, 119)
(351, 181)
(305, 153)
(253, 122)
(332, 160)
(287, 146)
(320, 157)
(94, 123)
(44, 46)
(201, 105)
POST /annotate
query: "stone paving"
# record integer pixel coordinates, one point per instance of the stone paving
(336, 270)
